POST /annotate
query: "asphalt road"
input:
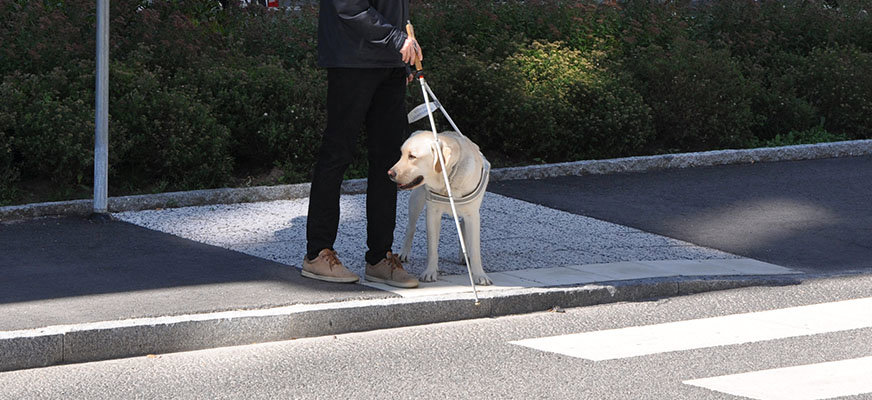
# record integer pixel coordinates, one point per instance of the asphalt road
(472, 359)
(814, 215)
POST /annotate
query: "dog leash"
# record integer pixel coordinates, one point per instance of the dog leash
(425, 89)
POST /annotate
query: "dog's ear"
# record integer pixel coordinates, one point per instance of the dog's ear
(446, 153)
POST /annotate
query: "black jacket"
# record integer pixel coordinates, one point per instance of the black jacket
(362, 33)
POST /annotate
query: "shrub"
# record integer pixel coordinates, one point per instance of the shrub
(501, 28)
(166, 35)
(443, 25)
(545, 103)
(698, 96)
(166, 136)
(771, 39)
(774, 99)
(751, 28)
(646, 23)
(49, 119)
(837, 82)
(257, 32)
(298, 144)
(610, 119)
(202, 95)
(39, 36)
(594, 115)
(273, 114)
(803, 25)
(781, 110)
(809, 136)
(8, 171)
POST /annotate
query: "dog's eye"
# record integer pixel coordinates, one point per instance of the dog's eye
(412, 157)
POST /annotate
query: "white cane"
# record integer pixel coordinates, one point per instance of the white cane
(424, 89)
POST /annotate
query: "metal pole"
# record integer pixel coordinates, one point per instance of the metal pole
(101, 135)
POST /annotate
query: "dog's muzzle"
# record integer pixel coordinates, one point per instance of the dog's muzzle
(415, 182)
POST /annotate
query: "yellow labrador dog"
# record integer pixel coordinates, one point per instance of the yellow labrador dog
(468, 173)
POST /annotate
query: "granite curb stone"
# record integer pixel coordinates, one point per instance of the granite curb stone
(97, 341)
(30, 349)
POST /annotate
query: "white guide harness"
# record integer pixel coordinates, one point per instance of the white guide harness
(469, 197)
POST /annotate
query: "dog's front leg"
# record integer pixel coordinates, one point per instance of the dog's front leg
(417, 200)
(434, 224)
(472, 239)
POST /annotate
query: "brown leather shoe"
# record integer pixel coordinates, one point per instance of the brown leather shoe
(390, 271)
(327, 267)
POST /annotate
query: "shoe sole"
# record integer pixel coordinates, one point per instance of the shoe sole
(333, 279)
(409, 285)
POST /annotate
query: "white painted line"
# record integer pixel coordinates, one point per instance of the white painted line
(710, 332)
(804, 382)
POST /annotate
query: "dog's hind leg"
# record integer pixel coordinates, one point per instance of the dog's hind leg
(417, 201)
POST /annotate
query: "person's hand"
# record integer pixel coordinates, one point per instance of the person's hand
(411, 51)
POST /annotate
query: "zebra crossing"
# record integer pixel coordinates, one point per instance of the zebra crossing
(835, 378)
(804, 382)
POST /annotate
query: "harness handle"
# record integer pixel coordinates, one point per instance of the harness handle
(411, 32)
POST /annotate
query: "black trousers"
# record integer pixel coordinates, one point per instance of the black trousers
(373, 98)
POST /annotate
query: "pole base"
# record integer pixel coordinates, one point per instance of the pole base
(100, 218)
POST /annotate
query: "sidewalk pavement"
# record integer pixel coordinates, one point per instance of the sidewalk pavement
(179, 279)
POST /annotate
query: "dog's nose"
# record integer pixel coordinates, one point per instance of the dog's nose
(392, 174)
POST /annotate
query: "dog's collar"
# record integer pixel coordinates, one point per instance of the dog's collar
(469, 197)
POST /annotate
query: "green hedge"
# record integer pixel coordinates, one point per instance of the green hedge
(48, 121)
(547, 102)
(165, 136)
(207, 97)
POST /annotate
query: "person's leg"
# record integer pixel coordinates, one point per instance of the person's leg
(349, 95)
(386, 129)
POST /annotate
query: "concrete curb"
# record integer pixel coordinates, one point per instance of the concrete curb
(281, 192)
(137, 337)
(688, 160)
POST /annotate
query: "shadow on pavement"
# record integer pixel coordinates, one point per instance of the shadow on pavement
(65, 257)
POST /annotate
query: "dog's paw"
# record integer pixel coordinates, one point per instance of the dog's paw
(429, 276)
(482, 279)
(404, 257)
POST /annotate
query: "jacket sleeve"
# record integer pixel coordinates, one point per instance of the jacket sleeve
(369, 23)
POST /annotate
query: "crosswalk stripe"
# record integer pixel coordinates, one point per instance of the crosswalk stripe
(806, 382)
(709, 332)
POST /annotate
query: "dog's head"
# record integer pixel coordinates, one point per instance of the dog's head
(419, 163)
